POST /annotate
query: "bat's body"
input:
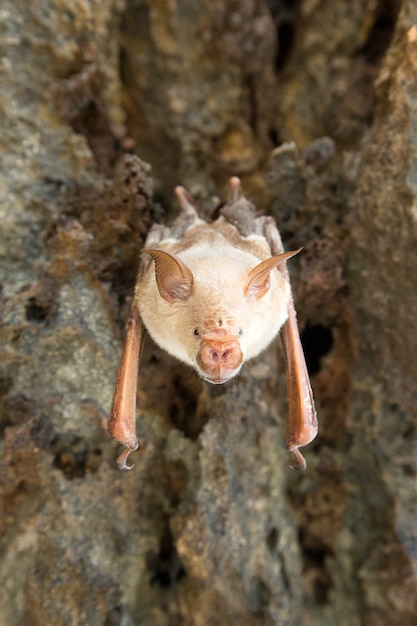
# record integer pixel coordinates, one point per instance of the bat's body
(217, 312)
(215, 295)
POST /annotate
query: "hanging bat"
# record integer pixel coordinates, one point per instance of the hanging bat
(214, 295)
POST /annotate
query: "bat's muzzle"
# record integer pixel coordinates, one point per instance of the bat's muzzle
(219, 360)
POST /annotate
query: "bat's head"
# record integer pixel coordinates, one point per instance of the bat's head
(217, 315)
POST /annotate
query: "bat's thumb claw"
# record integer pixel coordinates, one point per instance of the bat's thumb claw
(122, 459)
(299, 462)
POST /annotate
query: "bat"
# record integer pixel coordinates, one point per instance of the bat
(214, 295)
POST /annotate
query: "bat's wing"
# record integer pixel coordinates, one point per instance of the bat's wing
(122, 421)
(302, 418)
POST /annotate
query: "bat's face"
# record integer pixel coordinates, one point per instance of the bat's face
(215, 315)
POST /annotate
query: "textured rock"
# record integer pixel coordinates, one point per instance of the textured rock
(211, 526)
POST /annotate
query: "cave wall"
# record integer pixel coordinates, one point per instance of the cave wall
(105, 107)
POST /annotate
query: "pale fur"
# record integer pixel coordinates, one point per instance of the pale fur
(220, 271)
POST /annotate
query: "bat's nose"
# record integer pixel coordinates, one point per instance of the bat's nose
(219, 359)
(219, 352)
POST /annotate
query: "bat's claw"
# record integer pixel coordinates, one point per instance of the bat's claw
(122, 459)
(299, 462)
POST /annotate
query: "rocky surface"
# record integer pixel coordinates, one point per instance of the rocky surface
(313, 105)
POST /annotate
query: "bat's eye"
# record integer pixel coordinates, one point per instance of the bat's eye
(196, 332)
(240, 332)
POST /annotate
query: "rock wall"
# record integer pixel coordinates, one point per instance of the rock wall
(105, 107)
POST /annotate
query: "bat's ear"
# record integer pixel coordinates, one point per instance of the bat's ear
(259, 278)
(174, 278)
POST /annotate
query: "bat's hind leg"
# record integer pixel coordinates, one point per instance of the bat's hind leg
(155, 235)
(189, 207)
(239, 211)
(272, 235)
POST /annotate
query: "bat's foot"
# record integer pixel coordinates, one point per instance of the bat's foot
(235, 190)
(187, 202)
(239, 211)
